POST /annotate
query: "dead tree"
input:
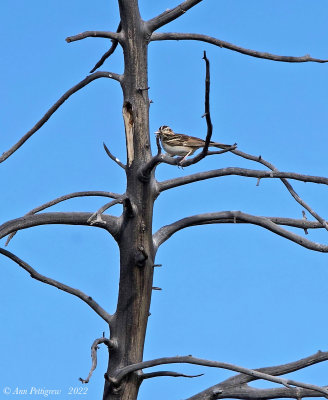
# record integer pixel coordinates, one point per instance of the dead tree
(133, 232)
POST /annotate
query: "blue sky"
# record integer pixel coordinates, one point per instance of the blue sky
(238, 294)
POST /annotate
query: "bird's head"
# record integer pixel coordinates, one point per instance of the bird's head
(164, 129)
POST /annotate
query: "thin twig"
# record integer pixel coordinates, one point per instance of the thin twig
(109, 52)
(102, 209)
(64, 198)
(230, 46)
(94, 349)
(112, 157)
(54, 108)
(207, 115)
(61, 286)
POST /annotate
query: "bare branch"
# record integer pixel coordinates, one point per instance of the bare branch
(270, 223)
(102, 209)
(97, 34)
(54, 108)
(168, 373)
(214, 364)
(285, 182)
(64, 198)
(230, 46)
(240, 381)
(110, 223)
(94, 349)
(249, 393)
(112, 157)
(207, 115)
(109, 52)
(78, 293)
(253, 173)
(170, 15)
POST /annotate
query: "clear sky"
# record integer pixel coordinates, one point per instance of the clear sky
(238, 294)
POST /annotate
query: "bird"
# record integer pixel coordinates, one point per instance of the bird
(178, 144)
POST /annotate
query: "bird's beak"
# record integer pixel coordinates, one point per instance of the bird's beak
(156, 133)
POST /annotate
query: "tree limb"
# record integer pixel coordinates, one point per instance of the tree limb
(54, 108)
(252, 173)
(78, 293)
(121, 373)
(109, 52)
(98, 34)
(240, 381)
(167, 373)
(230, 46)
(64, 198)
(170, 15)
(285, 182)
(249, 393)
(110, 223)
(270, 223)
(94, 349)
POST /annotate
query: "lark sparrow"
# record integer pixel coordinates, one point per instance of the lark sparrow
(177, 144)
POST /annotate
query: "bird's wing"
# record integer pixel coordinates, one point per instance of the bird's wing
(190, 141)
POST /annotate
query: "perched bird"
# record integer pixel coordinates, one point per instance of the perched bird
(177, 144)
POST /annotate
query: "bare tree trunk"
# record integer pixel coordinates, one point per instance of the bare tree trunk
(135, 239)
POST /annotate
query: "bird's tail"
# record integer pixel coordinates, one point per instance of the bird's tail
(220, 145)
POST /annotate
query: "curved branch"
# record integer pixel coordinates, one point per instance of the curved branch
(170, 15)
(230, 46)
(109, 52)
(97, 34)
(252, 173)
(214, 364)
(64, 198)
(270, 223)
(282, 369)
(168, 373)
(112, 157)
(285, 182)
(94, 348)
(249, 393)
(54, 108)
(110, 223)
(223, 389)
(61, 286)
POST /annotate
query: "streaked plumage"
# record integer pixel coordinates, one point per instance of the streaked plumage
(177, 144)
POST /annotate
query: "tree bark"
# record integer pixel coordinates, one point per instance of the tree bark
(128, 327)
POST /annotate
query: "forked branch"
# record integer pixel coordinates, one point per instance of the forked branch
(54, 108)
(110, 223)
(64, 198)
(214, 364)
(270, 223)
(109, 52)
(61, 286)
(230, 46)
(237, 385)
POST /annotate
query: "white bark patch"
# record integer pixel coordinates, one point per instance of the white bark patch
(129, 124)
